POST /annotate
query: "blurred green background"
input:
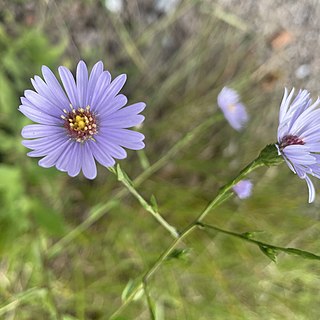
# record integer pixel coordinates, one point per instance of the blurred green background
(178, 55)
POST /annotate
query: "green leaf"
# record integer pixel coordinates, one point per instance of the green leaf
(270, 252)
(250, 234)
(134, 287)
(301, 253)
(122, 176)
(154, 203)
(180, 254)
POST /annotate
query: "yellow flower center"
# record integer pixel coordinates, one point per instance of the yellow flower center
(80, 123)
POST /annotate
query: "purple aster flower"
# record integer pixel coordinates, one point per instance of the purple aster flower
(233, 110)
(299, 136)
(81, 121)
(243, 189)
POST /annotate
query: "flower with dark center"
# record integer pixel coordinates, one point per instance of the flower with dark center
(81, 121)
(299, 136)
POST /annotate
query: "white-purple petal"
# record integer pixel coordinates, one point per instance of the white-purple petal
(93, 78)
(312, 192)
(82, 83)
(42, 104)
(123, 122)
(101, 155)
(39, 130)
(75, 156)
(88, 166)
(51, 159)
(115, 104)
(54, 87)
(69, 85)
(112, 90)
(101, 87)
(38, 116)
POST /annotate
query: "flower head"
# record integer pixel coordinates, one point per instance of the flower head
(81, 121)
(299, 136)
(243, 189)
(233, 110)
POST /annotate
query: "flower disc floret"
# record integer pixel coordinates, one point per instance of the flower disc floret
(290, 140)
(81, 124)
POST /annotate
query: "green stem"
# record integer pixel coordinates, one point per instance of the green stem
(202, 127)
(154, 268)
(223, 194)
(47, 280)
(22, 297)
(146, 205)
(304, 254)
(149, 302)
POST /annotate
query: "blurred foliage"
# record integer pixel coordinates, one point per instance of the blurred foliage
(176, 61)
(27, 50)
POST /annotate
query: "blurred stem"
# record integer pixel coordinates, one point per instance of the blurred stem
(47, 281)
(153, 269)
(144, 161)
(99, 211)
(225, 192)
(202, 127)
(22, 297)
(147, 294)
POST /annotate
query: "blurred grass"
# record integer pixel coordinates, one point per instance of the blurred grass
(177, 62)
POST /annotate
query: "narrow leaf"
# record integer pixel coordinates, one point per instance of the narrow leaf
(154, 203)
(133, 287)
(180, 254)
(301, 253)
(271, 253)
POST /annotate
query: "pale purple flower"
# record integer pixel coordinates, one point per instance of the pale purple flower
(233, 110)
(81, 121)
(243, 189)
(299, 136)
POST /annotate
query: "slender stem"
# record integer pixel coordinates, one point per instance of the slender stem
(22, 297)
(100, 210)
(96, 214)
(154, 268)
(147, 294)
(47, 281)
(224, 192)
(260, 244)
(222, 196)
(144, 161)
(167, 252)
(176, 148)
(149, 208)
